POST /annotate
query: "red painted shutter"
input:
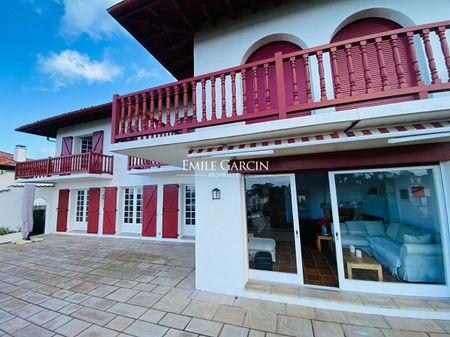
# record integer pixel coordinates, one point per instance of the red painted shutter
(365, 27)
(63, 209)
(66, 146)
(170, 211)
(265, 52)
(93, 210)
(109, 210)
(149, 210)
(97, 141)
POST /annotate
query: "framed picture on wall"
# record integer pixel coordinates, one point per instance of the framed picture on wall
(303, 202)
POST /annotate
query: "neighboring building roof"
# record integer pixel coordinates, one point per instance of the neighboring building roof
(7, 160)
(48, 127)
(166, 28)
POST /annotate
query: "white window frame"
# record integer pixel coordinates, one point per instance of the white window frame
(81, 214)
(276, 276)
(135, 226)
(85, 144)
(189, 229)
(389, 288)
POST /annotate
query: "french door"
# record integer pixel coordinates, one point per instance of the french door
(132, 210)
(396, 239)
(273, 245)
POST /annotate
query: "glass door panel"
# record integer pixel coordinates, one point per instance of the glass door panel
(390, 228)
(272, 229)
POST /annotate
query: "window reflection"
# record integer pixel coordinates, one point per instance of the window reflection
(390, 227)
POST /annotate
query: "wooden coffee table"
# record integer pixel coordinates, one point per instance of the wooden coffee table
(322, 237)
(365, 262)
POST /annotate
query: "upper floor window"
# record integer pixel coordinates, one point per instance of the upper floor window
(86, 145)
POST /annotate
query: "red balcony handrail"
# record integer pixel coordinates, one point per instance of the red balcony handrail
(89, 162)
(136, 163)
(247, 92)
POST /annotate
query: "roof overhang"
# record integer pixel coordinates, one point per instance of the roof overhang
(166, 27)
(49, 127)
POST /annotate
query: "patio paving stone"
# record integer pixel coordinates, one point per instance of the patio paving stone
(63, 287)
(145, 329)
(175, 321)
(93, 316)
(72, 328)
(204, 327)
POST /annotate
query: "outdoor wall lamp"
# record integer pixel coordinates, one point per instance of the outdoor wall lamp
(215, 194)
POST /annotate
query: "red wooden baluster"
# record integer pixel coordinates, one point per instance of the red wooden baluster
(444, 48)
(185, 102)
(223, 112)
(144, 111)
(398, 61)
(366, 66)
(213, 97)
(323, 89)
(267, 85)
(351, 71)
(136, 113)
(122, 116)
(336, 81)
(244, 91)
(152, 110)
(294, 79)
(177, 118)
(255, 87)
(159, 108)
(429, 51)
(168, 106)
(129, 115)
(194, 101)
(233, 94)
(203, 82)
(307, 78)
(381, 63)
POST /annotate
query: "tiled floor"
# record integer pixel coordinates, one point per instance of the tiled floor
(86, 286)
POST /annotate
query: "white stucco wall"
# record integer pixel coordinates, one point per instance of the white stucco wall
(6, 178)
(121, 179)
(307, 24)
(221, 264)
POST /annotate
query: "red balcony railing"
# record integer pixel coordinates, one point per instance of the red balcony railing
(386, 67)
(135, 163)
(78, 163)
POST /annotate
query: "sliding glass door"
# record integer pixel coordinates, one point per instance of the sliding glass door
(391, 230)
(272, 229)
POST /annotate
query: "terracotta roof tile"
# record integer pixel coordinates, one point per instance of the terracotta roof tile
(6, 159)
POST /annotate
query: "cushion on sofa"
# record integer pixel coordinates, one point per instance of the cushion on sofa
(355, 240)
(392, 229)
(356, 228)
(344, 229)
(424, 238)
(375, 228)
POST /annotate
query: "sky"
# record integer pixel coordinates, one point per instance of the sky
(58, 56)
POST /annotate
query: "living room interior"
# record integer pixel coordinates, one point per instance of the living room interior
(388, 219)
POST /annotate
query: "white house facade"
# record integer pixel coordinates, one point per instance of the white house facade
(305, 144)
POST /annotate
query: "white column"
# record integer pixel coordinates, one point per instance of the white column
(219, 242)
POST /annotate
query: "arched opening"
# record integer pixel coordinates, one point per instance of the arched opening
(39, 212)
(264, 52)
(370, 78)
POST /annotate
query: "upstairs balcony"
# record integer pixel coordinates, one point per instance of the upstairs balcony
(55, 168)
(394, 66)
(136, 163)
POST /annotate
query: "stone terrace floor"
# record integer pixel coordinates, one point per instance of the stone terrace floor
(81, 286)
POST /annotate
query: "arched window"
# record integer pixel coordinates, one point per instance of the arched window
(364, 27)
(268, 51)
